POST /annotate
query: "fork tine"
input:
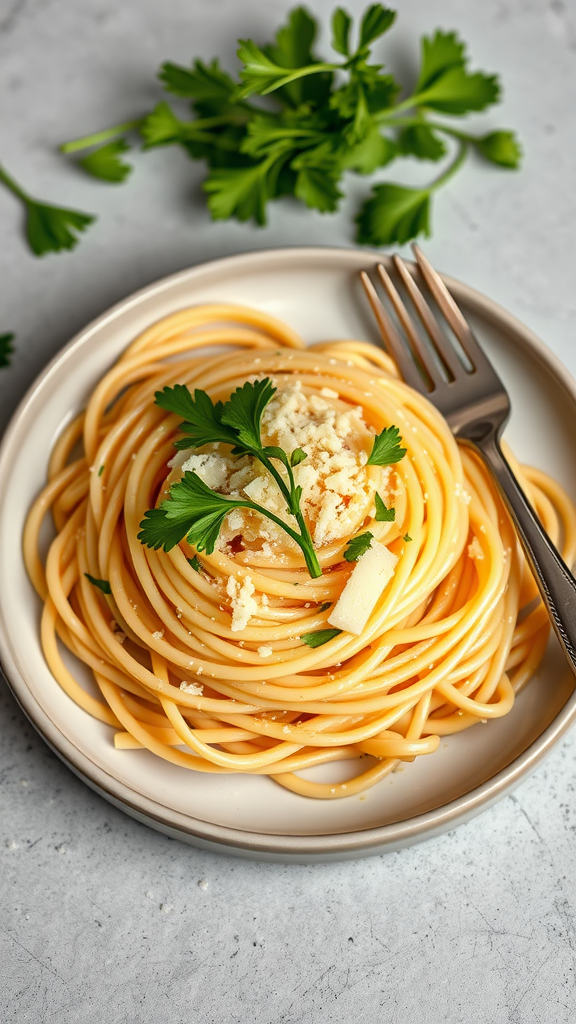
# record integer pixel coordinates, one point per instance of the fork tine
(418, 347)
(440, 342)
(390, 336)
(449, 309)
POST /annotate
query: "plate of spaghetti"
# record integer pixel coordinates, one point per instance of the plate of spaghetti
(253, 592)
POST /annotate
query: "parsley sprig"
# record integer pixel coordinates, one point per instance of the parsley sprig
(48, 228)
(193, 510)
(323, 118)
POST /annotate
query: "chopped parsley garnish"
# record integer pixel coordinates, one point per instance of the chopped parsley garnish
(195, 563)
(407, 538)
(319, 637)
(101, 470)
(193, 510)
(387, 448)
(358, 546)
(383, 514)
(102, 585)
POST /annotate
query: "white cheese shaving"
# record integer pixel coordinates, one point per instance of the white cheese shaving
(265, 652)
(371, 574)
(243, 604)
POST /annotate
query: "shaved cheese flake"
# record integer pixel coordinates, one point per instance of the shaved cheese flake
(372, 572)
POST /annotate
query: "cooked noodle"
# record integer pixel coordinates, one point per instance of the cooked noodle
(446, 646)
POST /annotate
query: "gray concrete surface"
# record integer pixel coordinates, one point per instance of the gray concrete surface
(103, 920)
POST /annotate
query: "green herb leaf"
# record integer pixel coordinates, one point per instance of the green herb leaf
(358, 546)
(202, 418)
(375, 22)
(54, 228)
(325, 606)
(375, 150)
(6, 349)
(394, 214)
(161, 127)
(421, 141)
(383, 514)
(317, 189)
(101, 470)
(297, 457)
(387, 448)
(341, 24)
(102, 585)
(293, 49)
(239, 192)
(106, 163)
(407, 538)
(195, 563)
(204, 82)
(319, 637)
(500, 148)
(193, 511)
(444, 83)
(243, 412)
(260, 74)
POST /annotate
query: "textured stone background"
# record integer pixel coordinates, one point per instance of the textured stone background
(102, 919)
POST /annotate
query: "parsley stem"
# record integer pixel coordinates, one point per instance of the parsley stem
(12, 185)
(98, 137)
(452, 168)
(312, 69)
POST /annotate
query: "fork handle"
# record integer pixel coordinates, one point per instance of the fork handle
(555, 581)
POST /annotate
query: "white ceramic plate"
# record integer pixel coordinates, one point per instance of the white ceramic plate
(317, 292)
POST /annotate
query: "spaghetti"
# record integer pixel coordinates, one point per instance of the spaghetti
(453, 637)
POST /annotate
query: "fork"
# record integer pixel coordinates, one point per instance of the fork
(476, 406)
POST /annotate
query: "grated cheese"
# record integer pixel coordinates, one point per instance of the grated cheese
(243, 604)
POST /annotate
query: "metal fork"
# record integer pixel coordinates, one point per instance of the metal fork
(476, 405)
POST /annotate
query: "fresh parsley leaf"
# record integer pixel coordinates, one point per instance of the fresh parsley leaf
(239, 192)
(6, 349)
(293, 49)
(53, 228)
(341, 25)
(387, 448)
(325, 606)
(202, 419)
(383, 514)
(48, 228)
(375, 150)
(261, 75)
(500, 148)
(394, 214)
(375, 22)
(195, 563)
(106, 163)
(358, 546)
(161, 127)
(298, 456)
(319, 637)
(317, 189)
(102, 585)
(243, 411)
(101, 470)
(407, 538)
(444, 50)
(204, 82)
(193, 511)
(421, 141)
(445, 84)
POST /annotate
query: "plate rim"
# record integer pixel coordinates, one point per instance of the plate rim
(223, 838)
